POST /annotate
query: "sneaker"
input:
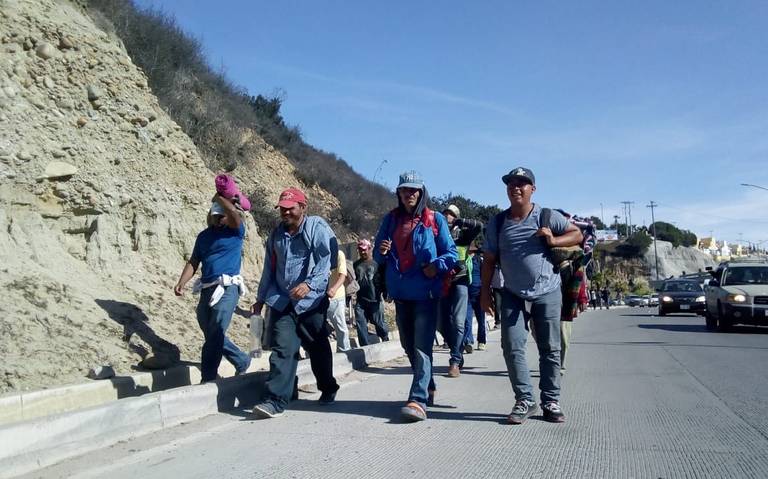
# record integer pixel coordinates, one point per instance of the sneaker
(481, 346)
(552, 412)
(327, 398)
(522, 411)
(430, 397)
(267, 410)
(468, 349)
(413, 412)
(453, 371)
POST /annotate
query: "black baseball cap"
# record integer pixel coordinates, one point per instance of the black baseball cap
(520, 172)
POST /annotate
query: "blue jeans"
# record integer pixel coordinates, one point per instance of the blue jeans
(475, 311)
(453, 312)
(416, 321)
(374, 312)
(214, 321)
(289, 331)
(545, 314)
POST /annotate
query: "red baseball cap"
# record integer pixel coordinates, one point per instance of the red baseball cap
(291, 197)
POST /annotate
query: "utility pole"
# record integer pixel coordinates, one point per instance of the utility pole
(602, 218)
(653, 226)
(627, 219)
(629, 208)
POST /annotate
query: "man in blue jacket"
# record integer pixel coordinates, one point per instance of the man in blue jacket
(416, 246)
(293, 284)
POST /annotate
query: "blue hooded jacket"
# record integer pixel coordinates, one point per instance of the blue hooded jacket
(429, 246)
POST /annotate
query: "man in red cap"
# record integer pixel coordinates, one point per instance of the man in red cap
(293, 284)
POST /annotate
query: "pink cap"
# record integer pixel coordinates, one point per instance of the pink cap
(364, 244)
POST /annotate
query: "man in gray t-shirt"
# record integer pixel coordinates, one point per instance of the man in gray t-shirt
(520, 241)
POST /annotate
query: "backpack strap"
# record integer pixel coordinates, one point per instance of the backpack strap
(498, 222)
(545, 218)
(429, 220)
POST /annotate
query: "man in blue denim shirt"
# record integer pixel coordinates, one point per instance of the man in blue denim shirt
(521, 244)
(293, 284)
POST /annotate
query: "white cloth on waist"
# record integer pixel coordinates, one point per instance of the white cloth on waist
(221, 283)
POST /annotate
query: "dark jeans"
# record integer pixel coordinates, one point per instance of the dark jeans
(453, 314)
(214, 321)
(474, 310)
(289, 331)
(416, 321)
(497, 306)
(366, 311)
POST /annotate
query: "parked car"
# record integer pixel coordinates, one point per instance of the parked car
(681, 296)
(737, 294)
(634, 300)
(653, 300)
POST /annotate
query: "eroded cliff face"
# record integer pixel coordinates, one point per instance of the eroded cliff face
(676, 261)
(101, 198)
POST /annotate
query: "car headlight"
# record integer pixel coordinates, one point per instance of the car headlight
(736, 298)
(667, 299)
(700, 299)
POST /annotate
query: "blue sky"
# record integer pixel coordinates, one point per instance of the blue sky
(605, 101)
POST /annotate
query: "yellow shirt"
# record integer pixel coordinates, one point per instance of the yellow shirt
(341, 268)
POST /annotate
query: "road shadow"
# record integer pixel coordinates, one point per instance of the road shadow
(389, 410)
(701, 328)
(743, 329)
(678, 328)
(487, 373)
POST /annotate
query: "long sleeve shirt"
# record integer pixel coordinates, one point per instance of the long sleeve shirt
(290, 260)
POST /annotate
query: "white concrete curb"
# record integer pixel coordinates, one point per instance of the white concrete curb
(40, 442)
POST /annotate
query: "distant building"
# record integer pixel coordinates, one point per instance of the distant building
(719, 250)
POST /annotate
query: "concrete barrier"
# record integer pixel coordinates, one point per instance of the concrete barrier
(42, 441)
(24, 406)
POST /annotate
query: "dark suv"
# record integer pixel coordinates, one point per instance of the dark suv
(681, 296)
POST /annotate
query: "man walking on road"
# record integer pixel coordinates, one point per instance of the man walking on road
(453, 305)
(417, 250)
(337, 298)
(369, 305)
(520, 239)
(294, 285)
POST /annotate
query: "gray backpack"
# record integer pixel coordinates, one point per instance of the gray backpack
(351, 286)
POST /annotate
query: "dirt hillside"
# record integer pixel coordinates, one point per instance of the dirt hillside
(101, 198)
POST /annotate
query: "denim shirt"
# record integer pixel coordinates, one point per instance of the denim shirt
(292, 260)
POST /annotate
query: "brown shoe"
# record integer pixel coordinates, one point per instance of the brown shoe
(413, 412)
(453, 371)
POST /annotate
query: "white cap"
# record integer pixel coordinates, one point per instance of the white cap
(454, 210)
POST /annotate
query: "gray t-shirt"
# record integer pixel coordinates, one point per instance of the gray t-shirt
(527, 271)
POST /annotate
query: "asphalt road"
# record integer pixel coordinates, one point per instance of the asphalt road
(644, 396)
